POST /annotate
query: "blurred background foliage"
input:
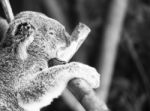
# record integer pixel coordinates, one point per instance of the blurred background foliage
(130, 88)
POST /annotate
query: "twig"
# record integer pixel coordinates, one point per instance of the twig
(112, 36)
(78, 36)
(8, 10)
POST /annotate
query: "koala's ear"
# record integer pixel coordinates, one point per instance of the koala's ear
(23, 35)
(3, 29)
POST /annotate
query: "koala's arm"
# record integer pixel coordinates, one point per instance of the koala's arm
(50, 83)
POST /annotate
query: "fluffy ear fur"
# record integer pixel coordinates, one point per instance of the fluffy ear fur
(3, 28)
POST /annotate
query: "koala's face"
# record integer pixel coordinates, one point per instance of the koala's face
(39, 33)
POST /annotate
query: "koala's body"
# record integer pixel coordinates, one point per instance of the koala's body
(26, 81)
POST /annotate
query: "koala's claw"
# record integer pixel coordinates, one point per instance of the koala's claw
(87, 73)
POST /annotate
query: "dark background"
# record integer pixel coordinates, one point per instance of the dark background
(129, 91)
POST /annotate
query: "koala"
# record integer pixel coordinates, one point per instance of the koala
(27, 83)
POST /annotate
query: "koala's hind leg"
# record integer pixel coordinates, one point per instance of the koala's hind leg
(49, 84)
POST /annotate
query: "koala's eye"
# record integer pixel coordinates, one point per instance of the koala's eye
(24, 29)
(51, 32)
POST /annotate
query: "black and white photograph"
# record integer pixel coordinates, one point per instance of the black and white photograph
(74, 55)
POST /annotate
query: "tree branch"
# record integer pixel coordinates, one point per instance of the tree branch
(8, 10)
(86, 95)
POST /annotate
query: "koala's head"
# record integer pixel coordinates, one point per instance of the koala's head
(36, 34)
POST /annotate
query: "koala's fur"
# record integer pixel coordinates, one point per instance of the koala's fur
(26, 81)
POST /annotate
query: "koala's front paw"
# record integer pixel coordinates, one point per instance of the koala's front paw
(87, 73)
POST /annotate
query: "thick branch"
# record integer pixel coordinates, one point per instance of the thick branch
(86, 96)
